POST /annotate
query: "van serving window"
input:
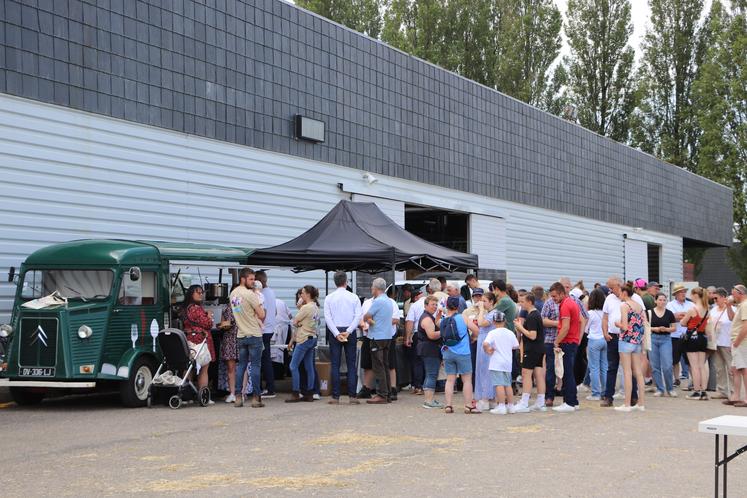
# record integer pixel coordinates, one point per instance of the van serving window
(140, 291)
(73, 284)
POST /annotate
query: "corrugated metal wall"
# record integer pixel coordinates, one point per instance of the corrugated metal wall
(69, 174)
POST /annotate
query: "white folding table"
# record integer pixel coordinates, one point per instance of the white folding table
(726, 425)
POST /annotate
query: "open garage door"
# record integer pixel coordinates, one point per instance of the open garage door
(487, 238)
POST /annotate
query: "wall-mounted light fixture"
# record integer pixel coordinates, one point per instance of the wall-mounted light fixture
(309, 129)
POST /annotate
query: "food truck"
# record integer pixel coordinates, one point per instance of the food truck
(87, 312)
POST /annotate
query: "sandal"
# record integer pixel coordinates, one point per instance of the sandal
(449, 409)
(471, 410)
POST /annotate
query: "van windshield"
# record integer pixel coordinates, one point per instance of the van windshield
(72, 284)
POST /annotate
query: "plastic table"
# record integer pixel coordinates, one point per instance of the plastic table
(724, 426)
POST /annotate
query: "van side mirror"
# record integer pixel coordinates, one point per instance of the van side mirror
(134, 274)
(11, 274)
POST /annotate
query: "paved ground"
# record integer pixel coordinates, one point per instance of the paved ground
(90, 446)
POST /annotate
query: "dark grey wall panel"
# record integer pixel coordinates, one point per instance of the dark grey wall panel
(239, 70)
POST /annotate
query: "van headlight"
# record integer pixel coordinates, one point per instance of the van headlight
(6, 330)
(84, 332)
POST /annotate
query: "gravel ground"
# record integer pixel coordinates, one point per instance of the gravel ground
(86, 446)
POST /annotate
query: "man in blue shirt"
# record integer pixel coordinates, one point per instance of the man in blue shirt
(379, 320)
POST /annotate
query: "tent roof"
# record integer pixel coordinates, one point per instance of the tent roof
(359, 236)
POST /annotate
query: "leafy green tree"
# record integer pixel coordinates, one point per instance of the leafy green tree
(530, 30)
(600, 67)
(720, 98)
(672, 49)
(361, 15)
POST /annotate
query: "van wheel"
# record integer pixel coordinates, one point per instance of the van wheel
(25, 396)
(134, 391)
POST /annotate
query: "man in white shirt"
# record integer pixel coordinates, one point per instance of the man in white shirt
(611, 315)
(679, 306)
(268, 329)
(342, 312)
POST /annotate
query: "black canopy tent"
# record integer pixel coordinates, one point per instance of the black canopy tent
(358, 236)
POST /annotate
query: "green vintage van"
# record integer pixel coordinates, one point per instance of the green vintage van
(111, 298)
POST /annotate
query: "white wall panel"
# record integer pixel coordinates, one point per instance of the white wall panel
(487, 237)
(69, 174)
(636, 259)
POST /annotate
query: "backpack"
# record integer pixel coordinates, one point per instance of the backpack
(450, 332)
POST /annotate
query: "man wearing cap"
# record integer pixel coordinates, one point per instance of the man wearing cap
(414, 312)
(653, 290)
(679, 306)
(641, 288)
(739, 346)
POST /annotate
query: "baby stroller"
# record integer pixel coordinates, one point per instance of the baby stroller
(172, 377)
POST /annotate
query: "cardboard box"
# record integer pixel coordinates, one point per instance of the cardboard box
(324, 371)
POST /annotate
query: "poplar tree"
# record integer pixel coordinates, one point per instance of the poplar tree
(600, 66)
(361, 15)
(672, 48)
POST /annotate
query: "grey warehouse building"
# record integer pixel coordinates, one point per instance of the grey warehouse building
(175, 120)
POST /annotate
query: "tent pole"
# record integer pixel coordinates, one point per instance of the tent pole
(326, 283)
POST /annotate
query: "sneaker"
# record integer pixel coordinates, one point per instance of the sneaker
(577, 407)
(499, 410)
(703, 396)
(624, 408)
(618, 396)
(317, 397)
(564, 408)
(239, 402)
(364, 393)
(693, 395)
(519, 408)
(432, 404)
(582, 388)
(268, 394)
(230, 398)
(658, 394)
(483, 405)
(606, 403)
(591, 397)
(211, 402)
(393, 394)
(677, 383)
(640, 408)
(511, 409)
(538, 408)
(673, 394)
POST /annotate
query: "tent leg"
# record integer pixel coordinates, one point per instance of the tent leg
(326, 283)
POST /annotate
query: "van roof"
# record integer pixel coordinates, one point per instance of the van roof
(114, 252)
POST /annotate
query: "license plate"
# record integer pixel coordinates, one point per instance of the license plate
(37, 372)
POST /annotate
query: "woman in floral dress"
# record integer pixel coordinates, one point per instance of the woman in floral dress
(197, 325)
(631, 325)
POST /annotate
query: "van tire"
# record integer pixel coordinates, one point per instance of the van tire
(24, 396)
(134, 391)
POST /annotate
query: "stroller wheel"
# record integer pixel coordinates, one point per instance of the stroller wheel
(204, 396)
(175, 402)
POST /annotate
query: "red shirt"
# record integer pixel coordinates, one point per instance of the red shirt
(569, 309)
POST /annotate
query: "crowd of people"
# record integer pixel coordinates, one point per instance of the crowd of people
(499, 346)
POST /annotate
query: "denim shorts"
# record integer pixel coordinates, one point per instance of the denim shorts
(626, 347)
(502, 379)
(457, 364)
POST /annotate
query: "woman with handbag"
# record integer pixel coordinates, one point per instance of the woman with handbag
(722, 314)
(198, 324)
(303, 344)
(696, 342)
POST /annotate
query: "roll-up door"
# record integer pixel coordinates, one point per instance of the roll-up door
(636, 259)
(487, 239)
